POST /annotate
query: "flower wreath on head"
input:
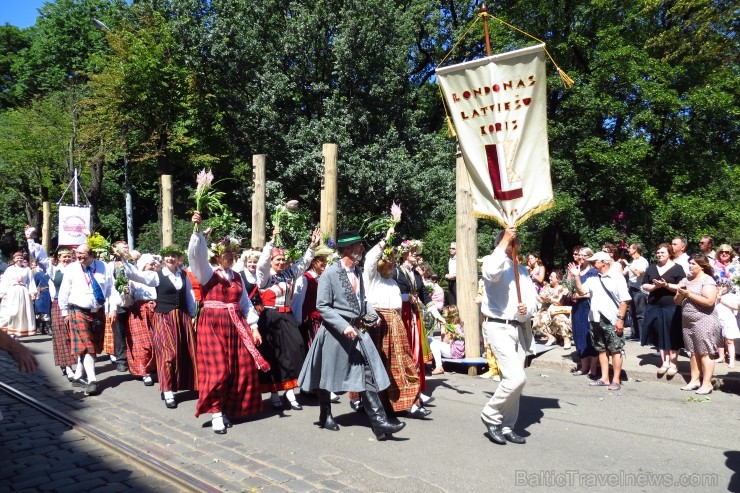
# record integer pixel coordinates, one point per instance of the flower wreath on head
(249, 253)
(170, 250)
(225, 244)
(389, 252)
(408, 245)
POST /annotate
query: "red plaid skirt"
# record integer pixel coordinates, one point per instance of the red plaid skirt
(86, 330)
(60, 338)
(175, 349)
(139, 348)
(227, 373)
(108, 338)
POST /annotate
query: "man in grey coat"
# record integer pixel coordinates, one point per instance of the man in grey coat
(343, 357)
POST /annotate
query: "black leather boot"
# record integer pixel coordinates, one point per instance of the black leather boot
(378, 419)
(326, 420)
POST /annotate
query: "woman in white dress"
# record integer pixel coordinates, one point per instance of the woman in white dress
(16, 289)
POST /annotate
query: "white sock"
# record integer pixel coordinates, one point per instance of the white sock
(290, 395)
(68, 371)
(332, 395)
(168, 395)
(217, 421)
(414, 407)
(78, 371)
(423, 397)
(89, 363)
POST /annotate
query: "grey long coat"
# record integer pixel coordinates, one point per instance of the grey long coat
(335, 362)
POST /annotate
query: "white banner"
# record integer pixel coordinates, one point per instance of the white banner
(72, 221)
(499, 109)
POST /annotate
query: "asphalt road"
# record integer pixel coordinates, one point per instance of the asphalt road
(647, 437)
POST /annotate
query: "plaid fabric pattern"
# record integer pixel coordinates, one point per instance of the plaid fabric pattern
(60, 338)
(174, 345)
(86, 331)
(412, 322)
(108, 347)
(393, 345)
(139, 348)
(227, 373)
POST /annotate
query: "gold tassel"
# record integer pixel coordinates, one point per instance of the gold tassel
(450, 128)
(567, 81)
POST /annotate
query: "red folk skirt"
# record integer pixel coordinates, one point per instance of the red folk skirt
(173, 337)
(139, 349)
(60, 338)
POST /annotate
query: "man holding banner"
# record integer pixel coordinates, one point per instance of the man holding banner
(498, 108)
(506, 327)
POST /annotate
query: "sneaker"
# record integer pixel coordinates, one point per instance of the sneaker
(92, 388)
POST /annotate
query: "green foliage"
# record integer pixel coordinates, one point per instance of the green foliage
(643, 147)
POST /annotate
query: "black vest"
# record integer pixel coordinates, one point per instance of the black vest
(169, 298)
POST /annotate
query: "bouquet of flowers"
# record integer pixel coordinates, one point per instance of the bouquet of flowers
(123, 288)
(382, 223)
(206, 197)
(283, 216)
(100, 245)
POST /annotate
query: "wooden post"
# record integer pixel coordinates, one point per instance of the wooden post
(167, 236)
(258, 200)
(328, 222)
(46, 227)
(466, 231)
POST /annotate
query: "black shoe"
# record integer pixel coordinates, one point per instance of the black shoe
(92, 388)
(277, 405)
(357, 406)
(79, 382)
(227, 422)
(294, 405)
(495, 433)
(419, 413)
(170, 403)
(122, 366)
(514, 438)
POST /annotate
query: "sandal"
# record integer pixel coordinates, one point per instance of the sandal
(672, 370)
(598, 383)
(438, 371)
(662, 370)
(614, 386)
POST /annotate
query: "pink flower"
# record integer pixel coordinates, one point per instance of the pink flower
(204, 180)
(395, 212)
(291, 205)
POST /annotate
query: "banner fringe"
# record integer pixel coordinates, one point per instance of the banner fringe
(520, 220)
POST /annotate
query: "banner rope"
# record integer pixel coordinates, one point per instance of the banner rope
(567, 80)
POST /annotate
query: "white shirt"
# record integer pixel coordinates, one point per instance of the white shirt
(499, 288)
(203, 272)
(639, 264)
(77, 289)
(380, 292)
(683, 261)
(149, 279)
(452, 266)
(602, 303)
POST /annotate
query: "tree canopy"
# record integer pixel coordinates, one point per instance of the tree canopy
(643, 147)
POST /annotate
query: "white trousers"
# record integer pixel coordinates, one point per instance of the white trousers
(439, 350)
(503, 407)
